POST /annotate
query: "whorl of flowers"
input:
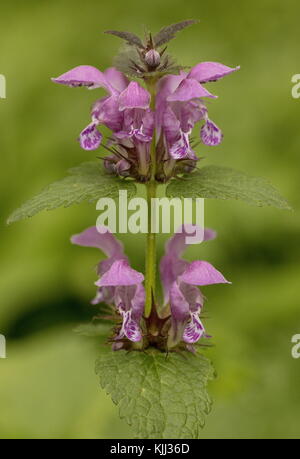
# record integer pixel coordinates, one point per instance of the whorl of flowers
(170, 107)
(151, 123)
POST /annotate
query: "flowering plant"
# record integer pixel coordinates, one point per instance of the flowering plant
(151, 107)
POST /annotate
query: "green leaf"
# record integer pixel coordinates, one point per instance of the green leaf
(159, 396)
(129, 37)
(224, 183)
(168, 33)
(87, 182)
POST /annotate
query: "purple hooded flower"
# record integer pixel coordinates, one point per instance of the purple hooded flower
(118, 283)
(180, 105)
(134, 96)
(180, 280)
(150, 142)
(121, 286)
(125, 110)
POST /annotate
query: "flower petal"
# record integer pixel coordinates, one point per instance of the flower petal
(104, 295)
(202, 273)
(177, 140)
(189, 113)
(138, 302)
(171, 126)
(180, 308)
(167, 85)
(181, 149)
(122, 168)
(130, 328)
(210, 71)
(131, 298)
(106, 111)
(210, 134)
(84, 75)
(100, 238)
(194, 330)
(90, 138)
(134, 96)
(120, 273)
(189, 89)
(193, 296)
(176, 245)
(145, 131)
(117, 79)
(170, 268)
(180, 314)
(171, 265)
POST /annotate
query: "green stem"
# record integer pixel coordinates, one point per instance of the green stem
(150, 271)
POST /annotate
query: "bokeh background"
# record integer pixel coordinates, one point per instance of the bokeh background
(48, 388)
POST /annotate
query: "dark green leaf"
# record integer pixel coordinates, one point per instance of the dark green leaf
(168, 33)
(129, 37)
(87, 182)
(159, 396)
(224, 183)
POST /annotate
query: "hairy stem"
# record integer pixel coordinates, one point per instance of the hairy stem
(150, 271)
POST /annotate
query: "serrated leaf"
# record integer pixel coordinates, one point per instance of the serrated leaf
(225, 183)
(87, 182)
(159, 396)
(129, 37)
(168, 33)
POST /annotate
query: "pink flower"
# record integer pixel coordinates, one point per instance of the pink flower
(126, 112)
(180, 106)
(180, 280)
(121, 286)
(119, 283)
(121, 111)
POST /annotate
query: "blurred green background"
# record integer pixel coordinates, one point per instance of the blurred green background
(48, 388)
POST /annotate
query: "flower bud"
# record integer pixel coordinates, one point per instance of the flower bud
(109, 164)
(122, 168)
(152, 58)
(185, 167)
